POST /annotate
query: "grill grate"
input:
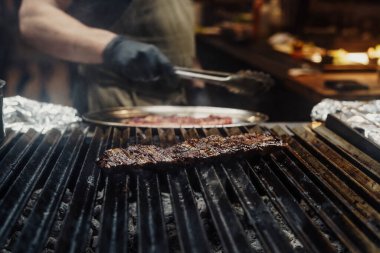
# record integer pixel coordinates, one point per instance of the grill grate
(320, 194)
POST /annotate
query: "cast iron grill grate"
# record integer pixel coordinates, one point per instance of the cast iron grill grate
(320, 194)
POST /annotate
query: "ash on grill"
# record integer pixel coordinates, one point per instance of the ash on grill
(169, 220)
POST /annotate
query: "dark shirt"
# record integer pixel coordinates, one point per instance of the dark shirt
(98, 13)
(167, 24)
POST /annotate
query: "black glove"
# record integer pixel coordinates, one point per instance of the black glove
(139, 62)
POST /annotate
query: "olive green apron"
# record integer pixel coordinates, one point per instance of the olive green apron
(168, 24)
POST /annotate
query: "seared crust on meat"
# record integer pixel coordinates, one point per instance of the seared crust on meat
(188, 152)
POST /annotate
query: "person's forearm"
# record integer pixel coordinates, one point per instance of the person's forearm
(53, 31)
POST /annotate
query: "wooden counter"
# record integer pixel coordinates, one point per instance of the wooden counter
(314, 84)
(311, 87)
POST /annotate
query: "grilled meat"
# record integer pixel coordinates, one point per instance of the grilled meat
(188, 152)
(174, 120)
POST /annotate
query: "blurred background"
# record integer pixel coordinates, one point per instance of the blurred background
(338, 38)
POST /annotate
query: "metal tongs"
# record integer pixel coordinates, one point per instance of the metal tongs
(243, 82)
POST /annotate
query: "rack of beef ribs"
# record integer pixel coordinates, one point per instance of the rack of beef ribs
(211, 148)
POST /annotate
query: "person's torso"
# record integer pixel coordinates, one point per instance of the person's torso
(167, 24)
(98, 13)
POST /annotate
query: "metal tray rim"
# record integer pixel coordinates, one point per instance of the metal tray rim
(93, 117)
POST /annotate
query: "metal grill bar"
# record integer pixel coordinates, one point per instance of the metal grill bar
(227, 224)
(337, 221)
(270, 234)
(235, 130)
(12, 159)
(189, 134)
(191, 234)
(353, 137)
(356, 179)
(343, 196)
(38, 225)
(74, 234)
(10, 137)
(190, 230)
(12, 203)
(114, 230)
(144, 136)
(351, 153)
(212, 131)
(150, 224)
(167, 137)
(302, 226)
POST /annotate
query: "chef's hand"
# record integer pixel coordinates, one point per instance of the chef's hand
(139, 62)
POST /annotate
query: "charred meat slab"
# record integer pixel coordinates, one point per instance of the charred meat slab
(186, 153)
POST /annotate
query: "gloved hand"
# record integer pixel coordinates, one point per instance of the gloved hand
(139, 62)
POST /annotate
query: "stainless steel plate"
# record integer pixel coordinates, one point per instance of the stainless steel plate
(116, 116)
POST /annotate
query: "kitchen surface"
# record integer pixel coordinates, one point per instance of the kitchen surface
(309, 60)
(269, 141)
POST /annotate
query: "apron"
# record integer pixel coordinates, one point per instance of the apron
(167, 24)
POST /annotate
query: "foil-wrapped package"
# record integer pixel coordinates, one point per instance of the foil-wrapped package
(363, 116)
(21, 113)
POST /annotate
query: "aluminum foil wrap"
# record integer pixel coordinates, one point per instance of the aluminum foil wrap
(21, 113)
(363, 116)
